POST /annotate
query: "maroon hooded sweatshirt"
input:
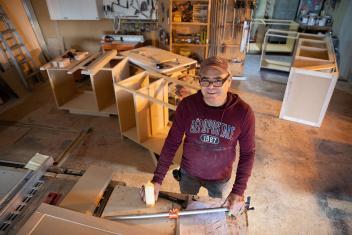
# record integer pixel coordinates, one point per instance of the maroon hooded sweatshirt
(210, 144)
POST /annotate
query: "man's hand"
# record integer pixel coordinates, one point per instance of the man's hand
(156, 191)
(235, 204)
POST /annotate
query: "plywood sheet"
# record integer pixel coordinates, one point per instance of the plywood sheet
(159, 113)
(84, 102)
(55, 220)
(148, 57)
(125, 101)
(62, 85)
(103, 88)
(142, 112)
(127, 201)
(302, 102)
(121, 71)
(87, 192)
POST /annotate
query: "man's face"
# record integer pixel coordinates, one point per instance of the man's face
(215, 95)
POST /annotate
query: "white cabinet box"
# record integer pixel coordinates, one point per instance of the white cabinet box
(75, 9)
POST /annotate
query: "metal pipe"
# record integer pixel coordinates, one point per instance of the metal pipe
(161, 215)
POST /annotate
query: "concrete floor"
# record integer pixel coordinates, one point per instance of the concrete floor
(301, 181)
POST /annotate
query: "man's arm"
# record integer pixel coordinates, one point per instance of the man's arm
(172, 142)
(247, 152)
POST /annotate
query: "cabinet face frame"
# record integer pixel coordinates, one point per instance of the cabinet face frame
(311, 82)
(45, 218)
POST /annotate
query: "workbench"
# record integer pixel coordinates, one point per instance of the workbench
(64, 213)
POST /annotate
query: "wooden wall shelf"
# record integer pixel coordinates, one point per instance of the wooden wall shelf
(190, 23)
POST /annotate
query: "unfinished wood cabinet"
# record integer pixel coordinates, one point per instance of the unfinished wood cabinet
(85, 196)
(311, 81)
(86, 87)
(259, 31)
(288, 47)
(143, 106)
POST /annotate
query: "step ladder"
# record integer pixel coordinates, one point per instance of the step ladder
(16, 52)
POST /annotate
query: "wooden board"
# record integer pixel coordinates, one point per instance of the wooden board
(300, 103)
(121, 71)
(127, 201)
(100, 62)
(125, 101)
(276, 65)
(62, 85)
(57, 221)
(103, 88)
(87, 192)
(148, 57)
(159, 114)
(142, 113)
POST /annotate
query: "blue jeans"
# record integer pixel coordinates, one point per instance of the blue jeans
(191, 185)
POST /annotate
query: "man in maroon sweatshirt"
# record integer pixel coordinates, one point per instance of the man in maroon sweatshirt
(212, 120)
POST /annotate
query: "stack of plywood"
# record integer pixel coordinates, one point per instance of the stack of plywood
(311, 81)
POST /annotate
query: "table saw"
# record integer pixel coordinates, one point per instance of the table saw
(59, 201)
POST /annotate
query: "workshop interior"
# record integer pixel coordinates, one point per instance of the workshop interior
(89, 90)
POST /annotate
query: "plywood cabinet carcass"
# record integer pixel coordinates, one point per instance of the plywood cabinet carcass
(75, 9)
(311, 81)
(86, 86)
(144, 104)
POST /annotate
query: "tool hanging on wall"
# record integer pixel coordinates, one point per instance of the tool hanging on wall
(224, 22)
(233, 19)
(231, 42)
(117, 3)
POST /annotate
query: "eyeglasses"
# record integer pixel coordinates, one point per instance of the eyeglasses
(217, 81)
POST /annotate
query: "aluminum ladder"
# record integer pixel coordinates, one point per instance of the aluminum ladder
(15, 51)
